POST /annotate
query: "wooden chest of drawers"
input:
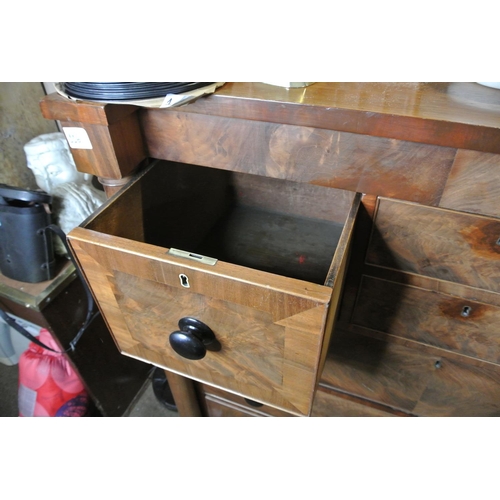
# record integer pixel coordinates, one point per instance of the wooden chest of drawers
(416, 328)
(258, 261)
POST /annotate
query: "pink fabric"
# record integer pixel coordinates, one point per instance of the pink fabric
(59, 391)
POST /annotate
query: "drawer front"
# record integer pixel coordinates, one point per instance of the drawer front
(452, 246)
(328, 404)
(224, 404)
(423, 383)
(433, 318)
(270, 327)
(219, 408)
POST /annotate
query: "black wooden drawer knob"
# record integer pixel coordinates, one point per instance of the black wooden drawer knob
(193, 339)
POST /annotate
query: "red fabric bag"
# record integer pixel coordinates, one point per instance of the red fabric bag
(48, 384)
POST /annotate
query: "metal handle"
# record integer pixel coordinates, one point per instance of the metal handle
(193, 339)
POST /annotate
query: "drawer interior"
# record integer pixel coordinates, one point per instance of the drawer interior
(287, 228)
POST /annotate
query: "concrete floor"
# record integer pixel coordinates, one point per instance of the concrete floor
(8, 390)
(146, 406)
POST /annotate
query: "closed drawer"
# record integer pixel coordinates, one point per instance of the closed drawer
(220, 403)
(438, 243)
(421, 382)
(330, 404)
(460, 325)
(268, 291)
(327, 403)
(221, 408)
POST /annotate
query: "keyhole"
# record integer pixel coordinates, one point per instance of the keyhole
(184, 280)
(437, 364)
(466, 311)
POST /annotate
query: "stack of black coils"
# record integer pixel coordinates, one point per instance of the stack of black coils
(128, 91)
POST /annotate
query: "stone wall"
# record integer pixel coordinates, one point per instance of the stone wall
(20, 121)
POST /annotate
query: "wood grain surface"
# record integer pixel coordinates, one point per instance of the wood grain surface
(353, 162)
(431, 143)
(116, 150)
(271, 336)
(473, 184)
(457, 114)
(419, 382)
(328, 403)
(461, 325)
(225, 404)
(56, 107)
(452, 246)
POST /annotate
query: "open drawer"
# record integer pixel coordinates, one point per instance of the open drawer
(188, 253)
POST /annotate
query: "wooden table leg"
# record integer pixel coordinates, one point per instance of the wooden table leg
(111, 186)
(184, 395)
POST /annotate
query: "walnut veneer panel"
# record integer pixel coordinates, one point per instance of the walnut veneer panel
(327, 403)
(445, 287)
(117, 145)
(57, 107)
(460, 325)
(270, 327)
(462, 114)
(353, 162)
(117, 149)
(420, 382)
(474, 184)
(452, 246)
(224, 404)
(330, 404)
(220, 408)
(458, 115)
